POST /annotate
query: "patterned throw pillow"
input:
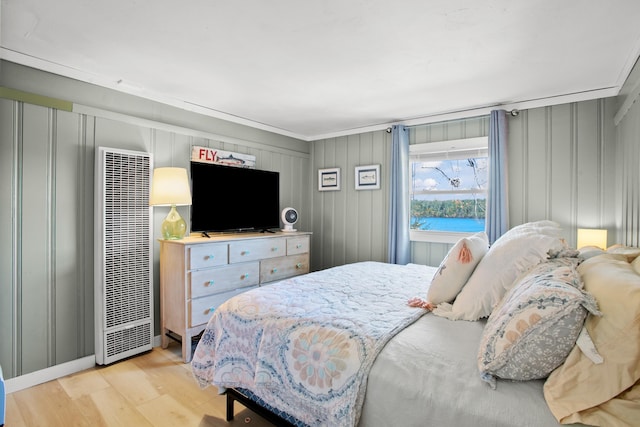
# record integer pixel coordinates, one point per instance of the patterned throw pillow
(536, 325)
(456, 268)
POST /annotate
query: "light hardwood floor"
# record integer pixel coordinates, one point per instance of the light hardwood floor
(152, 389)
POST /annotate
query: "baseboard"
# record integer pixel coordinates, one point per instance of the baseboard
(55, 372)
(49, 374)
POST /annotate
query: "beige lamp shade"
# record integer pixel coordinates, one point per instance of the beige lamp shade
(170, 186)
(592, 237)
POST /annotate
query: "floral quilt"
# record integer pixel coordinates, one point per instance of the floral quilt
(305, 345)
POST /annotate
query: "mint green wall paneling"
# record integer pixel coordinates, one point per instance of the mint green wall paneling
(365, 200)
(628, 191)
(535, 166)
(8, 285)
(42, 265)
(86, 190)
(517, 158)
(326, 209)
(126, 136)
(356, 219)
(589, 164)
(563, 131)
(381, 151)
(70, 242)
(352, 215)
(36, 279)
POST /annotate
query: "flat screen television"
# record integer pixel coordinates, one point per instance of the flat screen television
(228, 198)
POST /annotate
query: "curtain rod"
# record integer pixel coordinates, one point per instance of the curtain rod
(513, 113)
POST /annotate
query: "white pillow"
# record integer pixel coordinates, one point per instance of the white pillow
(457, 267)
(510, 256)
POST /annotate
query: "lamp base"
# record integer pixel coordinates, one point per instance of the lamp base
(173, 226)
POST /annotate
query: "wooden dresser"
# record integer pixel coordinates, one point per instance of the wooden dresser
(197, 274)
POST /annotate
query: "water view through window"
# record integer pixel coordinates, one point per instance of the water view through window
(449, 194)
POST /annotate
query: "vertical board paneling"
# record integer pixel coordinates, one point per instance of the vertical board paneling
(8, 286)
(34, 273)
(46, 263)
(629, 192)
(589, 173)
(342, 207)
(364, 199)
(550, 151)
(349, 225)
(69, 246)
(534, 151)
(86, 188)
(561, 164)
(379, 207)
(517, 158)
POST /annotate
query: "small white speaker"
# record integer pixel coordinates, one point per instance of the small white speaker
(289, 217)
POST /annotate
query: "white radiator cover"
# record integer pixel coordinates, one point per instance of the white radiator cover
(123, 266)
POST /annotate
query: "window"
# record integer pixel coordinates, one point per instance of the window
(448, 189)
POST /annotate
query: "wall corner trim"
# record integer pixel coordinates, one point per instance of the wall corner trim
(631, 98)
(32, 98)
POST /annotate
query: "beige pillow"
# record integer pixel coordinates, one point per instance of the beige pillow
(579, 385)
(636, 265)
(457, 267)
(622, 410)
(630, 252)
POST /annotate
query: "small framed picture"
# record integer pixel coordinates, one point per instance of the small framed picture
(368, 177)
(329, 179)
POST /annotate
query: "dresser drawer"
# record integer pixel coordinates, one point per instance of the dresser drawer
(209, 255)
(201, 309)
(279, 268)
(221, 279)
(256, 249)
(297, 245)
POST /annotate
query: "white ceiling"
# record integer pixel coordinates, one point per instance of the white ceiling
(315, 69)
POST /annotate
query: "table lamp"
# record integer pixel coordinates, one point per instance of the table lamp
(170, 187)
(592, 237)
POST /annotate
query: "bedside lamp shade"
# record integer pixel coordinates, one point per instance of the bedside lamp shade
(592, 237)
(170, 187)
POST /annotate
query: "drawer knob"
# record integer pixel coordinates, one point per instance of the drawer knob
(244, 276)
(299, 265)
(209, 283)
(210, 310)
(244, 253)
(275, 270)
(298, 246)
(274, 249)
(210, 256)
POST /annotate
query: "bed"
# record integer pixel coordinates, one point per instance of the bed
(341, 347)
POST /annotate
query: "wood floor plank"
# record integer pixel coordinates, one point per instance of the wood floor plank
(175, 380)
(50, 399)
(165, 411)
(83, 383)
(151, 389)
(130, 381)
(115, 410)
(13, 416)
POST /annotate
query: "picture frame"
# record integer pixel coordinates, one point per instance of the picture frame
(368, 177)
(329, 179)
